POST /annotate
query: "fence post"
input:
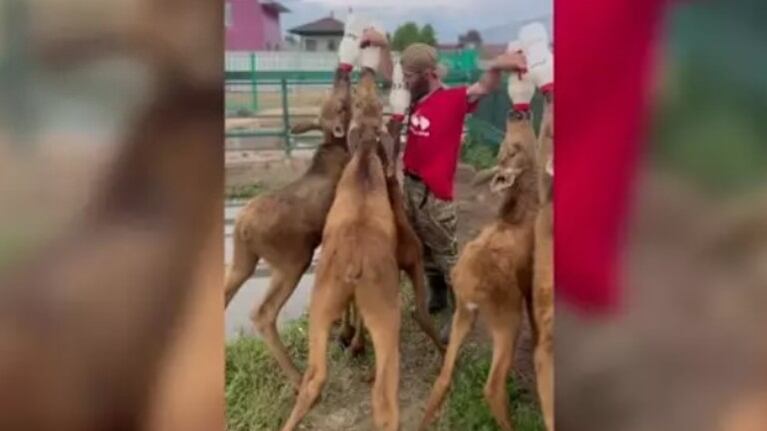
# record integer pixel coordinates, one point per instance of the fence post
(286, 116)
(253, 89)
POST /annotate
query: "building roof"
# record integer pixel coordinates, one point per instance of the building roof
(328, 26)
(274, 6)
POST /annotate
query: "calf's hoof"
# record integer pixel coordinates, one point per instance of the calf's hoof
(437, 293)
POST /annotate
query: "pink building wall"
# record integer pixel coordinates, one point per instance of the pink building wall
(272, 33)
(252, 27)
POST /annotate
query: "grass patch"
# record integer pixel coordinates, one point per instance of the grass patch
(718, 150)
(10, 246)
(18, 241)
(466, 408)
(714, 138)
(478, 150)
(259, 398)
(478, 155)
(247, 191)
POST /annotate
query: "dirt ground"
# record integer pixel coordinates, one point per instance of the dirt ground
(345, 403)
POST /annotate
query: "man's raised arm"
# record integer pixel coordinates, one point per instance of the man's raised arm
(507, 62)
(373, 37)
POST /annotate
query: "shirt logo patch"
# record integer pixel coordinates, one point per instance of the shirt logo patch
(419, 125)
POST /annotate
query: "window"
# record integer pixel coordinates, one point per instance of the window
(228, 14)
(311, 44)
(332, 45)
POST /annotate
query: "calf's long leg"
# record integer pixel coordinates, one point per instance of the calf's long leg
(357, 346)
(347, 327)
(283, 283)
(327, 305)
(243, 264)
(463, 319)
(503, 323)
(417, 277)
(544, 351)
(379, 307)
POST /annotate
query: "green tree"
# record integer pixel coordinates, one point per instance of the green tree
(405, 35)
(473, 37)
(427, 35)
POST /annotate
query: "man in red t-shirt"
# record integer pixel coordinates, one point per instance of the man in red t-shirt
(434, 132)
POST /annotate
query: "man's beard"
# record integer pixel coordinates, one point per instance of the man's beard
(420, 88)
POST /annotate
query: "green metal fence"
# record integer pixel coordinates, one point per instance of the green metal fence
(275, 117)
(492, 111)
(273, 100)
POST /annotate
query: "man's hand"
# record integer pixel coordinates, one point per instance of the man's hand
(509, 62)
(372, 37)
(374, 41)
(371, 53)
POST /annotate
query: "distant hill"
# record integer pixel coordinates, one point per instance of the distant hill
(504, 33)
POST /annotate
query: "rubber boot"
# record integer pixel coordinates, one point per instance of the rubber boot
(437, 293)
(444, 333)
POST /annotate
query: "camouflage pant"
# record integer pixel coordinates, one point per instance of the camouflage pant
(434, 220)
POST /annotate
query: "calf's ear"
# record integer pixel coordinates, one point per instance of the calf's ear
(484, 176)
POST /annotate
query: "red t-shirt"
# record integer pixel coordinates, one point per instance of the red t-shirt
(434, 138)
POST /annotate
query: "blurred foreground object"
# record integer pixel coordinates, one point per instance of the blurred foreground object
(112, 319)
(749, 414)
(687, 350)
(603, 100)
